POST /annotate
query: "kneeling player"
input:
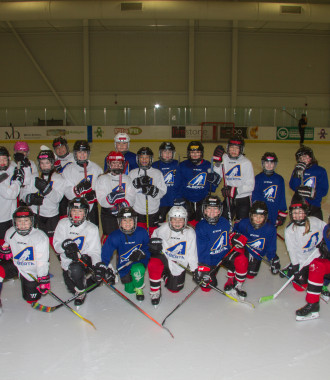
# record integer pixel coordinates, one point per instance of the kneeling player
(131, 243)
(26, 251)
(78, 242)
(170, 243)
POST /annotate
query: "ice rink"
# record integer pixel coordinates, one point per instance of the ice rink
(215, 338)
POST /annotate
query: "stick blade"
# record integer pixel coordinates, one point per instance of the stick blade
(266, 298)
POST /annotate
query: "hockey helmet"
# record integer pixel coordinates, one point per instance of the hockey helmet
(81, 146)
(21, 146)
(144, 151)
(4, 153)
(115, 157)
(212, 202)
(269, 157)
(20, 213)
(166, 146)
(177, 212)
(46, 155)
(236, 141)
(298, 203)
(58, 142)
(122, 138)
(127, 213)
(78, 203)
(195, 146)
(258, 208)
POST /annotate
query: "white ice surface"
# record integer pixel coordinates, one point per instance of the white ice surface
(215, 338)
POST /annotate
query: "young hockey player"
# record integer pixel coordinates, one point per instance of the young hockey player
(168, 166)
(172, 242)
(270, 188)
(45, 193)
(310, 180)
(216, 244)
(131, 244)
(194, 180)
(122, 141)
(21, 155)
(11, 180)
(81, 177)
(302, 238)
(150, 188)
(114, 190)
(77, 241)
(26, 250)
(238, 181)
(261, 235)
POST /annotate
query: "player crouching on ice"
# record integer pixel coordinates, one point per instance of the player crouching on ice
(131, 244)
(77, 240)
(170, 243)
(25, 252)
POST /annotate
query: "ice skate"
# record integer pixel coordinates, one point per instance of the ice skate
(229, 287)
(139, 294)
(309, 311)
(241, 294)
(80, 300)
(325, 294)
(155, 298)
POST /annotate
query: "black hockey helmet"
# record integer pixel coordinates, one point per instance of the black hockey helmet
(81, 146)
(298, 202)
(61, 141)
(46, 155)
(258, 208)
(195, 146)
(212, 201)
(127, 212)
(237, 141)
(23, 212)
(269, 157)
(81, 204)
(144, 151)
(166, 146)
(305, 150)
(4, 153)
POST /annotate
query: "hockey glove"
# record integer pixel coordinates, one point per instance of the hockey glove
(70, 249)
(86, 260)
(5, 252)
(99, 271)
(155, 246)
(83, 187)
(110, 276)
(34, 199)
(18, 176)
(3, 177)
(43, 186)
(322, 246)
(90, 197)
(150, 190)
(202, 274)
(275, 265)
(44, 284)
(299, 169)
(58, 166)
(229, 192)
(137, 255)
(115, 197)
(280, 220)
(217, 155)
(139, 182)
(306, 191)
(24, 161)
(238, 241)
(213, 178)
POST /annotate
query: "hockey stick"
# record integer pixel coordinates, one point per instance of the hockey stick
(64, 304)
(279, 236)
(275, 295)
(283, 109)
(147, 207)
(227, 199)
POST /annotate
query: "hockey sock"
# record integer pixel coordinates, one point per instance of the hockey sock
(137, 273)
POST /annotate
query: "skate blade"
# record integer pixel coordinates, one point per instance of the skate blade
(307, 317)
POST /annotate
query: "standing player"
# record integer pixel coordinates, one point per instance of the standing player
(26, 250)
(239, 179)
(172, 242)
(310, 180)
(270, 188)
(214, 242)
(131, 244)
(150, 188)
(168, 166)
(122, 141)
(78, 242)
(194, 180)
(81, 177)
(114, 190)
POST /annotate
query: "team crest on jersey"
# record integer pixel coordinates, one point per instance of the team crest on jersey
(258, 244)
(220, 244)
(125, 256)
(310, 182)
(270, 192)
(169, 177)
(88, 178)
(198, 181)
(79, 241)
(234, 172)
(312, 241)
(25, 257)
(63, 167)
(123, 187)
(177, 251)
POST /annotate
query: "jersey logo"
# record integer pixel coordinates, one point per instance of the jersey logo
(79, 241)
(123, 188)
(270, 192)
(63, 167)
(25, 255)
(177, 251)
(220, 244)
(312, 241)
(125, 256)
(88, 178)
(258, 244)
(198, 180)
(169, 177)
(310, 182)
(234, 172)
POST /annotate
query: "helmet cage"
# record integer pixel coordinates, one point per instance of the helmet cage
(23, 212)
(115, 157)
(46, 155)
(80, 204)
(127, 213)
(269, 157)
(258, 208)
(166, 146)
(178, 212)
(214, 202)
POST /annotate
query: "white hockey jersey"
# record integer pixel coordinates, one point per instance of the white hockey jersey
(157, 180)
(178, 246)
(106, 183)
(239, 173)
(86, 236)
(67, 160)
(9, 191)
(300, 245)
(30, 252)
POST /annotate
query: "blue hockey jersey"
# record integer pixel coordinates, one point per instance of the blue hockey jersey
(168, 170)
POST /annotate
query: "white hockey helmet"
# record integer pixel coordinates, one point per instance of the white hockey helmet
(177, 212)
